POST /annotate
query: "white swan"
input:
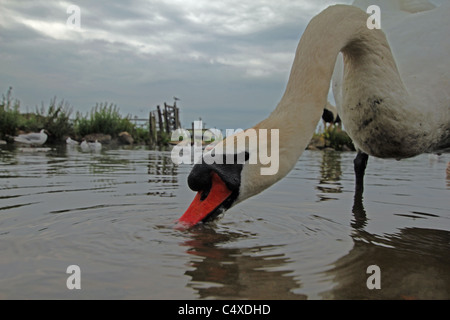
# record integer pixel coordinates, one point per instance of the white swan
(389, 111)
(393, 13)
(34, 139)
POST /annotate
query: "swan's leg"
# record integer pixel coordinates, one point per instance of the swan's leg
(360, 164)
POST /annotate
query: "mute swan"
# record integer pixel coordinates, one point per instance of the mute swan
(407, 35)
(34, 139)
(389, 112)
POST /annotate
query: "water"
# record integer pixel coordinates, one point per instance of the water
(112, 214)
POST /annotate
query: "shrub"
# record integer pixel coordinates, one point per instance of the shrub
(55, 119)
(103, 119)
(10, 116)
(141, 135)
(337, 139)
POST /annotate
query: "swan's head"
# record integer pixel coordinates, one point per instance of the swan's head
(237, 168)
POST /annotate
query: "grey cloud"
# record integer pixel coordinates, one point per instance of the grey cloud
(221, 58)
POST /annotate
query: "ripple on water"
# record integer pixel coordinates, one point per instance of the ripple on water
(113, 214)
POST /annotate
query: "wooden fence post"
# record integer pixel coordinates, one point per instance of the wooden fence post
(177, 117)
(161, 126)
(162, 122)
(166, 118)
(152, 129)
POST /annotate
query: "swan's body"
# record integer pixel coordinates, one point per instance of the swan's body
(34, 138)
(389, 110)
(420, 47)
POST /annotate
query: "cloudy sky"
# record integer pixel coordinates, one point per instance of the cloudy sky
(228, 61)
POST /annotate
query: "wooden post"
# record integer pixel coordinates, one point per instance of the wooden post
(152, 128)
(177, 118)
(155, 134)
(192, 133)
(166, 118)
(160, 125)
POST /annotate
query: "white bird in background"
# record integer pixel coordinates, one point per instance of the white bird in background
(33, 139)
(394, 100)
(84, 146)
(71, 142)
(90, 146)
(95, 146)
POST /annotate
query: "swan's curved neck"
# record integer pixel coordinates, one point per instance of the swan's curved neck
(367, 57)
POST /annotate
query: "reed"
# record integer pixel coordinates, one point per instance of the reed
(9, 115)
(55, 119)
(105, 119)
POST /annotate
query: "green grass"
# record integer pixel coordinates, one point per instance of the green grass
(9, 115)
(141, 135)
(55, 119)
(105, 119)
(333, 137)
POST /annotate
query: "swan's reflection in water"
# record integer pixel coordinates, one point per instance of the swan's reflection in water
(414, 261)
(414, 264)
(238, 273)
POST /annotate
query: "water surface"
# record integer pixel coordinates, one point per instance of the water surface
(112, 214)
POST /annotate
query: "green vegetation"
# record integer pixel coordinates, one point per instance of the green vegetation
(332, 137)
(338, 139)
(55, 119)
(104, 118)
(9, 115)
(141, 135)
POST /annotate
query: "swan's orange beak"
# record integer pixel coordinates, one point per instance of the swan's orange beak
(200, 208)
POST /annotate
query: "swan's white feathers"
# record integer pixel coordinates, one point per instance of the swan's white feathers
(392, 96)
(418, 44)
